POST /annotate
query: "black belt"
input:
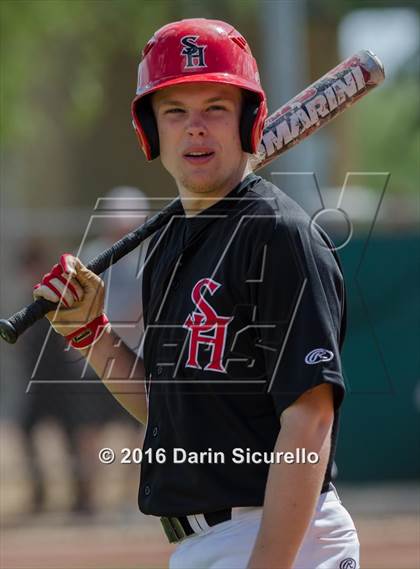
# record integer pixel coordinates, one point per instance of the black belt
(177, 529)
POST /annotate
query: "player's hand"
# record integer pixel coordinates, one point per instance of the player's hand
(78, 292)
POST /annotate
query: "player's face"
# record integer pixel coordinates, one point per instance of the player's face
(199, 138)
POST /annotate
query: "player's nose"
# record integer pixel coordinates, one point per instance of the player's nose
(196, 125)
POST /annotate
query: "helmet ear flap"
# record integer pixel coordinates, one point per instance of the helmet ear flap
(251, 106)
(146, 121)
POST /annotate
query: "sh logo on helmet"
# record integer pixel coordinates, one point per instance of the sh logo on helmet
(318, 355)
(194, 53)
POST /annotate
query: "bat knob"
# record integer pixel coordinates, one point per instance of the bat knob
(8, 332)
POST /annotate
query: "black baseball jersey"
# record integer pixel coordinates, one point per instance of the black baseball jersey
(244, 311)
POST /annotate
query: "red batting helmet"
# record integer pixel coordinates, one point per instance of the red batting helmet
(196, 50)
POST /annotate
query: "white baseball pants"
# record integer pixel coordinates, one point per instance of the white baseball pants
(330, 542)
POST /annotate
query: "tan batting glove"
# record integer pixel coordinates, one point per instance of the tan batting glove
(80, 296)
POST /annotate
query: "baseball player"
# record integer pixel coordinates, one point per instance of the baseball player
(244, 316)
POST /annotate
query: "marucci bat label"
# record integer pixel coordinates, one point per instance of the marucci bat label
(295, 121)
(318, 104)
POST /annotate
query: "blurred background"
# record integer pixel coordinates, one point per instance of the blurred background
(68, 75)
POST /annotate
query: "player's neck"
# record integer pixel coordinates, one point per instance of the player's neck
(196, 202)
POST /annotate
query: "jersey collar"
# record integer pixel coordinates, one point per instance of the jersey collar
(228, 203)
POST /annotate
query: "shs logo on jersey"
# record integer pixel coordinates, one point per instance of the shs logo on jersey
(194, 54)
(206, 328)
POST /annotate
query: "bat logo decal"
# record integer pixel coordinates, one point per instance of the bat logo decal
(194, 54)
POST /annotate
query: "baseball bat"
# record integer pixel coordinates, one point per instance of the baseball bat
(309, 111)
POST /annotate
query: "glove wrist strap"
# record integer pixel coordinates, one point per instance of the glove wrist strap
(89, 334)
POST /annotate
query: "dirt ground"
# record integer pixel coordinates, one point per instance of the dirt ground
(387, 543)
(130, 540)
(117, 536)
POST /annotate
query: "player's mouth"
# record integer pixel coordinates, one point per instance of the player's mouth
(199, 156)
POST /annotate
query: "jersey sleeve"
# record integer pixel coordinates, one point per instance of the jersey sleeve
(301, 313)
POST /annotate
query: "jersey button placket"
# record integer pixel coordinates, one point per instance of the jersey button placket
(147, 490)
(155, 431)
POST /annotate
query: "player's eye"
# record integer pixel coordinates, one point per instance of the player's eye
(174, 111)
(217, 108)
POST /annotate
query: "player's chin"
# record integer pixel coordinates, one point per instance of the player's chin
(200, 181)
